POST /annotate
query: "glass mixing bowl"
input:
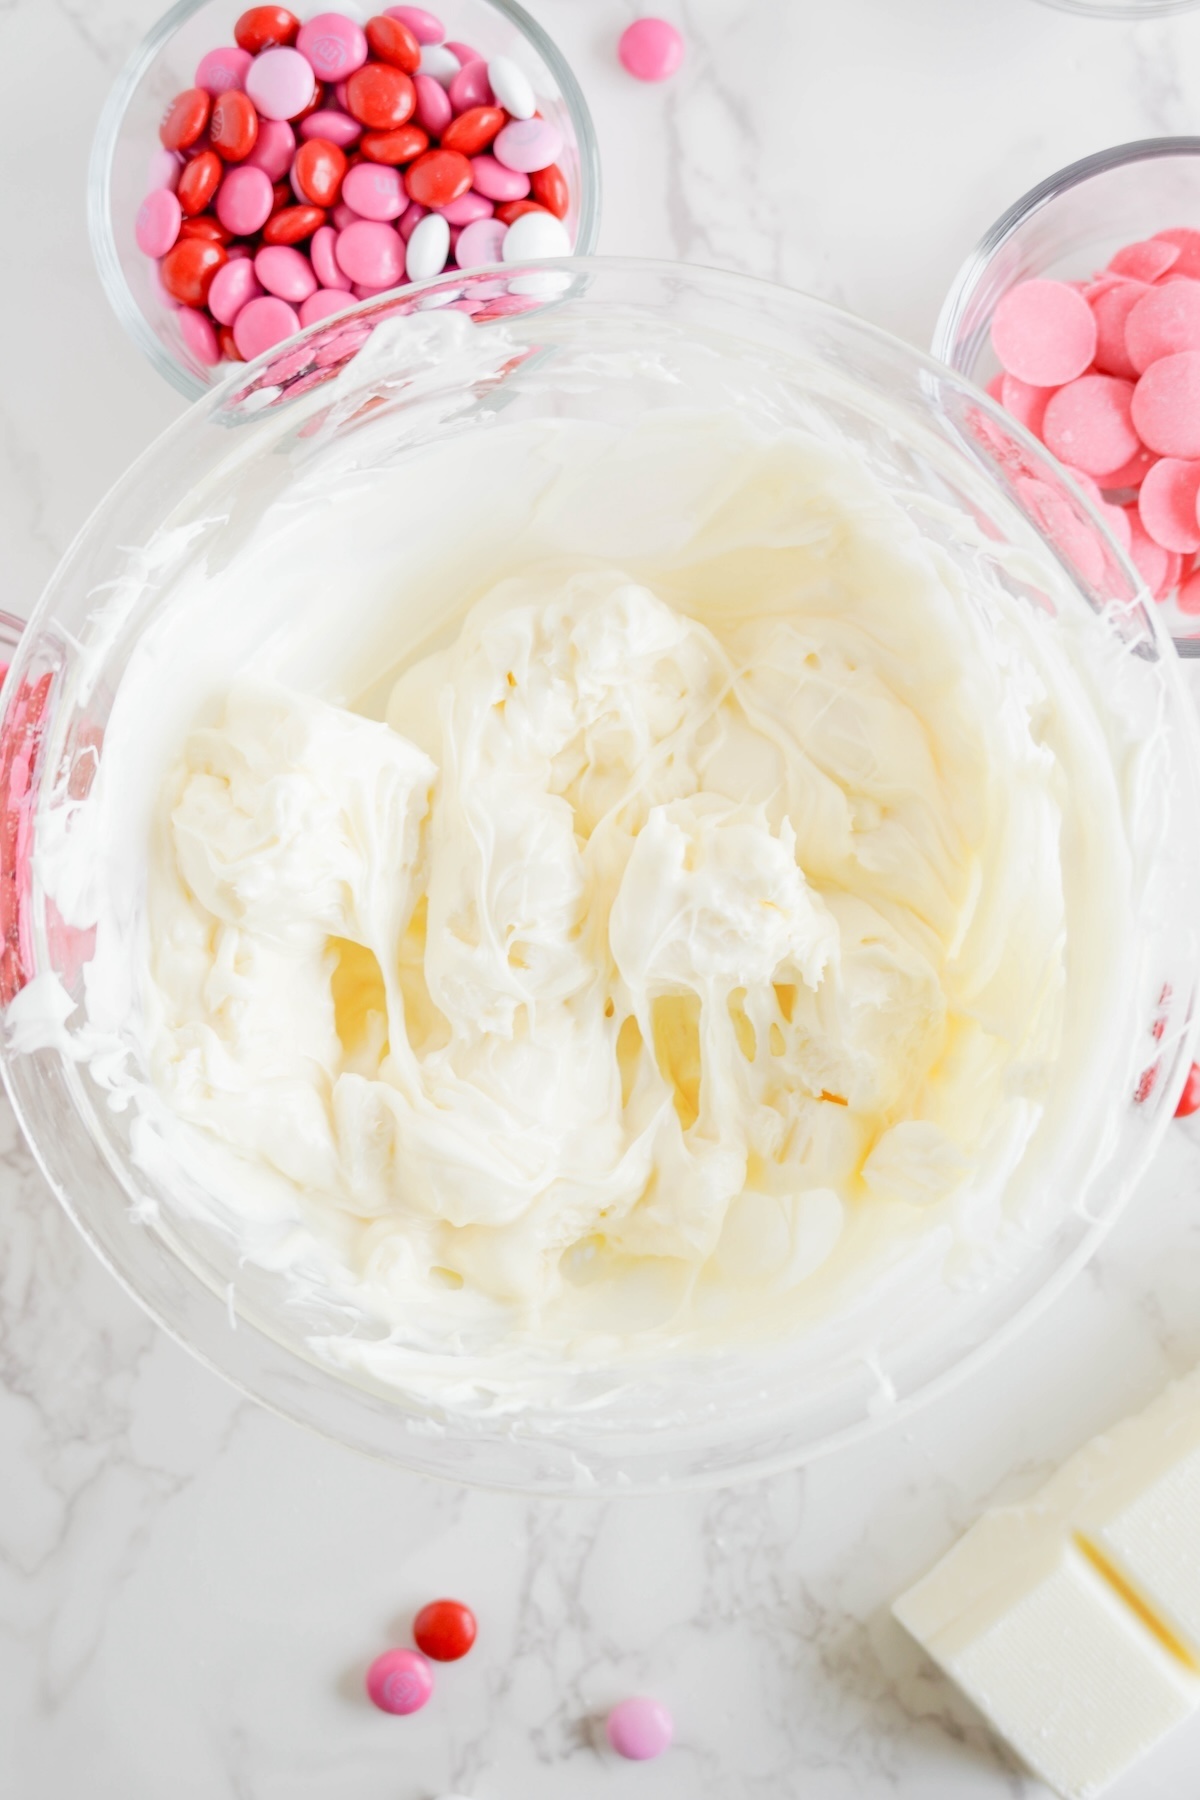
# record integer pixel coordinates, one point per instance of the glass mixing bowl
(609, 342)
(1122, 9)
(1065, 229)
(165, 62)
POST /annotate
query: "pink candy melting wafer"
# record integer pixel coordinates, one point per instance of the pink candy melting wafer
(1088, 424)
(1133, 473)
(1111, 308)
(1044, 333)
(1187, 242)
(1145, 261)
(1026, 404)
(1166, 405)
(1167, 504)
(1164, 321)
(1152, 562)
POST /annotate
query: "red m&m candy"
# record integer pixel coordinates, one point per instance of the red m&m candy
(319, 168)
(391, 41)
(445, 1630)
(199, 182)
(381, 97)
(291, 224)
(394, 147)
(189, 266)
(233, 127)
(1189, 1100)
(438, 177)
(473, 130)
(184, 120)
(266, 27)
(550, 190)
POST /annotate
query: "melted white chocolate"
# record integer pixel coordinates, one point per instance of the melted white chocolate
(723, 902)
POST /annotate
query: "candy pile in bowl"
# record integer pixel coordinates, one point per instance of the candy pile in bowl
(1106, 373)
(315, 164)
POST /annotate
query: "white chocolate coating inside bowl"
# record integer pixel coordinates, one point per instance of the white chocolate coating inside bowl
(585, 892)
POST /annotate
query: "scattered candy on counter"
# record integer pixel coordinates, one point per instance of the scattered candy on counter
(1189, 1100)
(400, 1681)
(650, 49)
(445, 1630)
(1107, 374)
(314, 164)
(640, 1729)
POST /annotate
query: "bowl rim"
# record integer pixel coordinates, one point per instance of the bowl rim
(265, 1386)
(978, 259)
(120, 95)
(1122, 9)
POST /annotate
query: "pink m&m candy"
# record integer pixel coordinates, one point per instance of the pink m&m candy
(262, 324)
(529, 144)
(1044, 332)
(375, 191)
(424, 26)
(650, 49)
(480, 243)
(434, 111)
(324, 259)
(470, 87)
(334, 127)
(233, 287)
(323, 303)
(468, 209)
(400, 1681)
(333, 44)
(371, 253)
(199, 337)
(281, 83)
(495, 182)
(224, 70)
(157, 225)
(245, 199)
(285, 272)
(163, 169)
(274, 148)
(640, 1729)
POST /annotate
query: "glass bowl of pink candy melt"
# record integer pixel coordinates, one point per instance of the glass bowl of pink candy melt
(130, 169)
(1123, 228)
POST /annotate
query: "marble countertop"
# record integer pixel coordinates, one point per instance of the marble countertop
(189, 1588)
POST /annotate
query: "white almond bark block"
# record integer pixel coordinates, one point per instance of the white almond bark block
(1073, 1620)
